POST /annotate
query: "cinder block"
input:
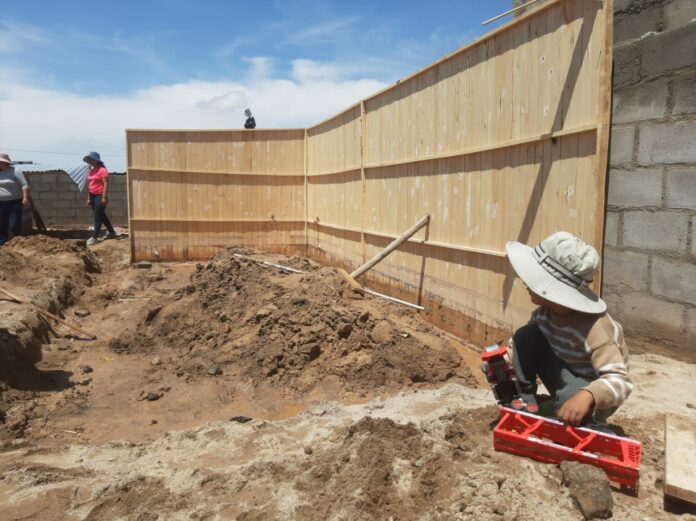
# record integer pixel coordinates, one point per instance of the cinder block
(667, 143)
(626, 270)
(681, 187)
(661, 231)
(668, 50)
(646, 100)
(626, 64)
(675, 280)
(611, 229)
(621, 147)
(67, 212)
(635, 25)
(693, 236)
(684, 89)
(60, 203)
(635, 188)
(678, 13)
(646, 315)
(67, 195)
(47, 211)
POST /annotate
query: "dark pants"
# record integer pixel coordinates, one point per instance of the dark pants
(10, 219)
(533, 357)
(95, 201)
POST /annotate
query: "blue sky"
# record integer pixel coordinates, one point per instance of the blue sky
(76, 74)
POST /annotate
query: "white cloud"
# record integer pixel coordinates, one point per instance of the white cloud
(39, 118)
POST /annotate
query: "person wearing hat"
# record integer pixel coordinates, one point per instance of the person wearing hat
(571, 343)
(14, 194)
(250, 122)
(98, 185)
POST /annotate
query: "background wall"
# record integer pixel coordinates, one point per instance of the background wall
(195, 192)
(650, 255)
(59, 202)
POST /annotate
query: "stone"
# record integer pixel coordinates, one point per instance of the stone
(668, 51)
(675, 280)
(644, 101)
(664, 231)
(344, 330)
(611, 229)
(667, 143)
(590, 488)
(626, 269)
(678, 13)
(298, 301)
(86, 369)
(635, 188)
(152, 397)
(85, 381)
(240, 419)
(626, 64)
(621, 146)
(61, 343)
(308, 450)
(681, 187)
(382, 332)
(684, 94)
(143, 265)
(636, 25)
(215, 370)
(156, 361)
(82, 312)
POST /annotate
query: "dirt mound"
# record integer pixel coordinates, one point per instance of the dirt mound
(294, 331)
(382, 470)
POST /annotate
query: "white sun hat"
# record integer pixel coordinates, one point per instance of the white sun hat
(559, 269)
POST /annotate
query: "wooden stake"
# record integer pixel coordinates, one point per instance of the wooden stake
(491, 20)
(90, 336)
(351, 281)
(392, 246)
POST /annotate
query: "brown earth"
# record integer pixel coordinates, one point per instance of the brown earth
(360, 409)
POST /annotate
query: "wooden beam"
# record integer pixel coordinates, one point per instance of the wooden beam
(680, 457)
(511, 11)
(391, 247)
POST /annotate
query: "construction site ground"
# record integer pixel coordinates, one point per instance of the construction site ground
(359, 409)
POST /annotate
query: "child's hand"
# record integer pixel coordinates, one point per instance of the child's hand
(576, 407)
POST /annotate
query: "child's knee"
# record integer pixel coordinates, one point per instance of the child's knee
(526, 337)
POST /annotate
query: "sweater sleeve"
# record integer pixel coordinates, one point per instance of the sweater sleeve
(614, 384)
(21, 179)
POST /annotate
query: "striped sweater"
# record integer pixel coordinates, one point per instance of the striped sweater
(593, 346)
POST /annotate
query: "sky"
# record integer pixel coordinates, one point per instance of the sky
(75, 74)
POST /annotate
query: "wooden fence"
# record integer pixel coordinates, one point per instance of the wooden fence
(505, 139)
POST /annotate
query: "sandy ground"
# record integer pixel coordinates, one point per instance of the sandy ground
(400, 438)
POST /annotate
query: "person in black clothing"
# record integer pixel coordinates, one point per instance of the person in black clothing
(250, 121)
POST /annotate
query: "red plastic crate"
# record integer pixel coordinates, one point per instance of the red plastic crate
(552, 441)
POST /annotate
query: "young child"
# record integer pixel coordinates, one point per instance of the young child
(571, 343)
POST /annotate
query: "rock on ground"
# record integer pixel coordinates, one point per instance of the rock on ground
(589, 487)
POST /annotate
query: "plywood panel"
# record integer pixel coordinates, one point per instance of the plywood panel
(504, 139)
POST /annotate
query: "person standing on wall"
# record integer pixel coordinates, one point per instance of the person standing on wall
(14, 194)
(98, 184)
(250, 122)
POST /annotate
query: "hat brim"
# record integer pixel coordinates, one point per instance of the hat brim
(5, 161)
(549, 287)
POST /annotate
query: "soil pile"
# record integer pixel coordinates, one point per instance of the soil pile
(294, 331)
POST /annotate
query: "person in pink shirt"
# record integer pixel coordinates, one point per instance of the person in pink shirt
(98, 184)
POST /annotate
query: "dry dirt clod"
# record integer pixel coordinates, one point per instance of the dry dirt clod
(215, 370)
(240, 419)
(82, 312)
(143, 265)
(156, 361)
(589, 487)
(382, 332)
(85, 369)
(308, 450)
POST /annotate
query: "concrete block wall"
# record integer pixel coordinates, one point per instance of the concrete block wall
(650, 240)
(650, 233)
(59, 202)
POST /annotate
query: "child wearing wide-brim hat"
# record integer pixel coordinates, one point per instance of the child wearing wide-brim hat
(571, 343)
